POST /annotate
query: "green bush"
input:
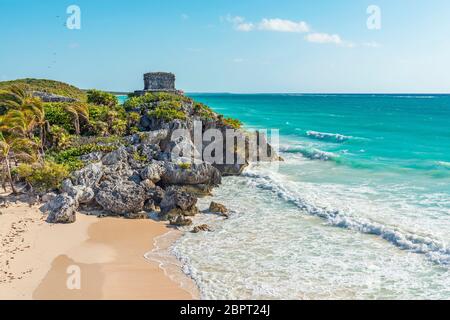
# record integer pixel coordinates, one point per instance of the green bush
(56, 115)
(132, 103)
(49, 86)
(153, 97)
(60, 138)
(102, 98)
(167, 114)
(98, 113)
(71, 157)
(203, 111)
(138, 157)
(43, 176)
(230, 122)
(184, 166)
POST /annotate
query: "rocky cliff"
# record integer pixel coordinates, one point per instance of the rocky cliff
(158, 169)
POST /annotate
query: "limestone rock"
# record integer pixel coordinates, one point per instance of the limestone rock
(89, 176)
(202, 228)
(153, 137)
(175, 174)
(121, 199)
(137, 215)
(92, 157)
(82, 194)
(215, 207)
(62, 209)
(153, 171)
(48, 197)
(49, 97)
(180, 221)
(176, 203)
(119, 155)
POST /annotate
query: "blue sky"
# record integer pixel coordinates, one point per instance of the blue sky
(232, 46)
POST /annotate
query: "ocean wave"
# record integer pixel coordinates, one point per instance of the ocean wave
(434, 250)
(443, 164)
(414, 97)
(311, 153)
(327, 136)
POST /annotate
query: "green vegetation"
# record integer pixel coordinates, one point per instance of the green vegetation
(71, 156)
(49, 86)
(203, 111)
(153, 97)
(138, 157)
(184, 166)
(102, 98)
(230, 122)
(167, 111)
(43, 176)
(41, 143)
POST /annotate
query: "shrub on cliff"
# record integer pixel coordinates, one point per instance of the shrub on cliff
(71, 156)
(153, 97)
(102, 98)
(43, 177)
(49, 86)
(230, 122)
(56, 115)
(167, 111)
(203, 111)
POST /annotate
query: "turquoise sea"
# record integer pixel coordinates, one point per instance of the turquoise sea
(359, 209)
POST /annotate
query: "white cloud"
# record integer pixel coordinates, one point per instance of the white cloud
(324, 38)
(238, 60)
(240, 24)
(247, 26)
(184, 16)
(276, 24)
(281, 25)
(372, 44)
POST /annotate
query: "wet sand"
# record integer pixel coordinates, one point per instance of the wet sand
(90, 259)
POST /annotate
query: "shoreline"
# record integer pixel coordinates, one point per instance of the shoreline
(38, 259)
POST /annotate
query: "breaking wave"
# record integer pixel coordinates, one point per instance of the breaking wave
(434, 250)
(336, 137)
(311, 153)
(443, 164)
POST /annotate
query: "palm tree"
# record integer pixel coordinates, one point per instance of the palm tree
(78, 111)
(24, 113)
(21, 148)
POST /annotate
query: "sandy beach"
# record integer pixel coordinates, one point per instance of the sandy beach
(38, 260)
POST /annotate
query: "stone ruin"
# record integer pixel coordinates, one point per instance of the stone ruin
(159, 82)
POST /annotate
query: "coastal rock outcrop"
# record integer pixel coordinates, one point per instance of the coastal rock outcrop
(178, 203)
(49, 97)
(152, 171)
(180, 221)
(215, 207)
(123, 198)
(201, 228)
(62, 209)
(89, 176)
(195, 174)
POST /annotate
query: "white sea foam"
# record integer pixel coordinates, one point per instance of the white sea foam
(443, 164)
(327, 136)
(269, 250)
(310, 153)
(435, 250)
